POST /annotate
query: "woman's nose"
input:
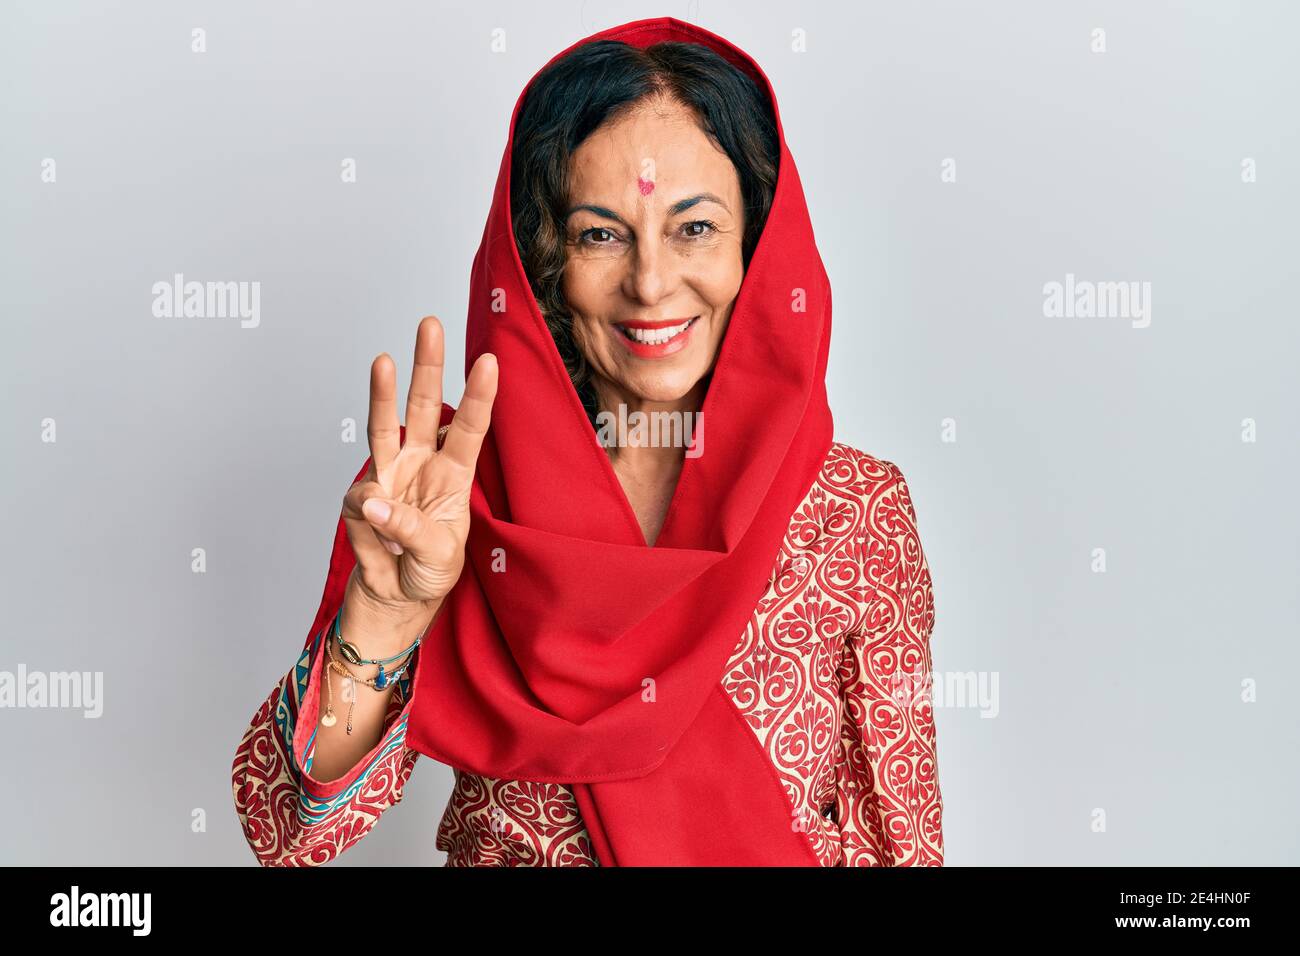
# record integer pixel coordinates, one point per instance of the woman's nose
(651, 273)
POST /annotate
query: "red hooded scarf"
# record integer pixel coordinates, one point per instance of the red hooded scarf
(571, 652)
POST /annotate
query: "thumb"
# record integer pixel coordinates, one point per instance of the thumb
(394, 521)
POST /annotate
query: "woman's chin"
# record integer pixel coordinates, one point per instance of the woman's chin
(662, 389)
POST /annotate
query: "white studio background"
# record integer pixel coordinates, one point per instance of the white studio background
(957, 157)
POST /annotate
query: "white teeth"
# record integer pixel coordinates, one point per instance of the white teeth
(655, 336)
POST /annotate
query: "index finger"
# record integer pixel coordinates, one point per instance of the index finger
(382, 429)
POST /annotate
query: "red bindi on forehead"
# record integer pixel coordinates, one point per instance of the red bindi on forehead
(646, 186)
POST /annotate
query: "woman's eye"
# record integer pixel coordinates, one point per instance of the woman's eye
(590, 236)
(698, 228)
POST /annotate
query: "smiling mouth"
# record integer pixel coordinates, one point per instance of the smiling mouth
(655, 333)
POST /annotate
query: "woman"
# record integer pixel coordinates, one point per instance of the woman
(636, 645)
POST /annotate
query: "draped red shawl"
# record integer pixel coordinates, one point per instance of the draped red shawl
(592, 659)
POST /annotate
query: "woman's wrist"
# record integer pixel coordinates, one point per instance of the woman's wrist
(360, 597)
(378, 629)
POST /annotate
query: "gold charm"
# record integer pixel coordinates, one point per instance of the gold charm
(329, 720)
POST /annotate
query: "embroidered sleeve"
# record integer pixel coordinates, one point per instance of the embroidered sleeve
(289, 817)
(891, 807)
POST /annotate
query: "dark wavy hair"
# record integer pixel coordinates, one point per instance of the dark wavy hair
(600, 82)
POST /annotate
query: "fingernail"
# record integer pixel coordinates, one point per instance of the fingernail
(376, 510)
(393, 546)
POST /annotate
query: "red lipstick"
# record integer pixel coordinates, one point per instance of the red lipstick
(657, 339)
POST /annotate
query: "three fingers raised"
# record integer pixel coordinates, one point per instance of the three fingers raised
(394, 525)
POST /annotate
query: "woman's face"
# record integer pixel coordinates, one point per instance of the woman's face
(654, 256)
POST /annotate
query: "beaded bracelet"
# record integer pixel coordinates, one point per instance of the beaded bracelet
(329, 720)
(353, 656)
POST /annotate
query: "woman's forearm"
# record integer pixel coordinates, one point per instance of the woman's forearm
(377, 634)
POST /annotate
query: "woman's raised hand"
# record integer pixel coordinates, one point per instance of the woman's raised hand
(408, 516)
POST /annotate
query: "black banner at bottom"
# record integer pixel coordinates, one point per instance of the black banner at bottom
(358, 906)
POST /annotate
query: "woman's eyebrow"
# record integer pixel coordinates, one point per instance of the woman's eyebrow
(678, 207)
(598, 210)
(683, 204)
